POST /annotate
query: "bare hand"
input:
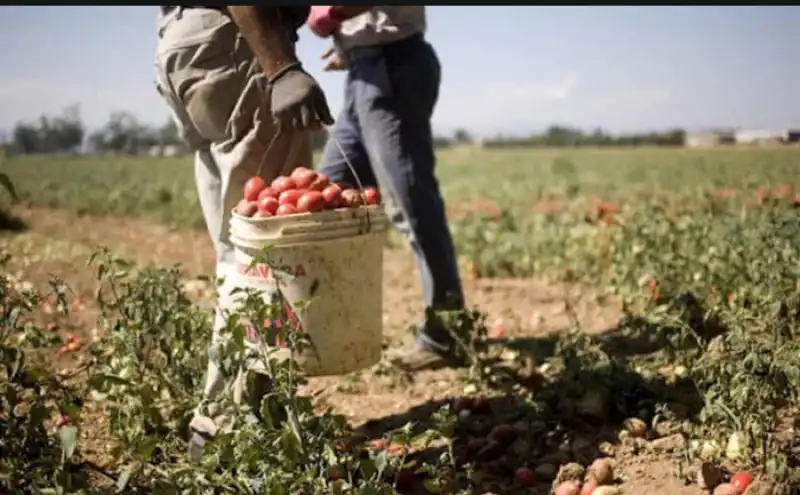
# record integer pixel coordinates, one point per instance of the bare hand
(335, 62)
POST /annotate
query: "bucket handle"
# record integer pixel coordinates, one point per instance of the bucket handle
(360, 185)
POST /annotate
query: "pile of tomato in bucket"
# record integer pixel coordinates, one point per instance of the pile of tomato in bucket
(304, 191)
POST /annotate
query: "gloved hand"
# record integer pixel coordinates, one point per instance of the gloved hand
(323, 21)
(298, 102)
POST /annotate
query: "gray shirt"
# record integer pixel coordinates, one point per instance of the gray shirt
(380, 25)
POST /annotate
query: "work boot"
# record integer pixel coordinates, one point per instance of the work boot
(418, 357)
(433, 348)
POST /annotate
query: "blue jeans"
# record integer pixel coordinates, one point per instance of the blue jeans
(385, 131)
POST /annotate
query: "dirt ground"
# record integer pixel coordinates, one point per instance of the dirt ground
(58, 243)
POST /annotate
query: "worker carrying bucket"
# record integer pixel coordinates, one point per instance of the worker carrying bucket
(249, 115)
(235, 87)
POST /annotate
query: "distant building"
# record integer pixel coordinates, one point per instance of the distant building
(750, 137)
(793, 136)
(707, 139)
(172, 150)
(169, 151)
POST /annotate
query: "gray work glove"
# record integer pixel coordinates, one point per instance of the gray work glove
(298, 102)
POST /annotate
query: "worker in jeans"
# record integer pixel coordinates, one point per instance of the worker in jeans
(384, 131)
(236, 90)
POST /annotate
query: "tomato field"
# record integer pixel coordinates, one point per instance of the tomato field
(634, 327)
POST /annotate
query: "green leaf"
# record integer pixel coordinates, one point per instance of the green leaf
(146, 447)
(68, 436)
(99, 380)
(381, 461)
(290, 445)
(432, 485)
(295, 426)
(5, 181)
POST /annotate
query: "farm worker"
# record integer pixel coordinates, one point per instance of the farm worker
(385, 132)
(232, 81)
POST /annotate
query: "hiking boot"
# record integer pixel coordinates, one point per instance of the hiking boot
(420, 357)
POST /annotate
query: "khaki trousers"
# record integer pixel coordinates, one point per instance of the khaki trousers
(219, 100)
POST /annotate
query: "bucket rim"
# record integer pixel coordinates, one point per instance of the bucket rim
(358, 211)
(240, 243)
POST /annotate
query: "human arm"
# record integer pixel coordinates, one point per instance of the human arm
(323, 20)
(345, 12)
(264, 32)
(296, 100)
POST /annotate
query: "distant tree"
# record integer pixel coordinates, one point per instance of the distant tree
(123, 134)
(26, 139)
(168, 134)
(442, 142)
(560, 136)
(462, 136)
(61, 134)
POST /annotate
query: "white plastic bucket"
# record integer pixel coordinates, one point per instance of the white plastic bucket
(332, 261)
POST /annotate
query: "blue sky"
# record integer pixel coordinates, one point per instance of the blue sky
(506, 70)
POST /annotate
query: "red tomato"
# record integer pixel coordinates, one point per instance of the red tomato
(246, 208)
(568, 488)
(268, 205)
(372, 196)
(303, 177)
(267, 192)
(290, 197)
(332, 195)
(263, 214)
(334, 474)
(524, 477)
(589, 487)
(352, 198)
(283, 184)
(311, 201)
(377, 444)
(396, 450)
(319, 183)
(741, 481)
(299, 171)
(286, 210)
(252, 187)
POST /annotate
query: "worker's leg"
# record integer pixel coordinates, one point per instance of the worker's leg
(219, 100)
(395, 90)
(345, 146)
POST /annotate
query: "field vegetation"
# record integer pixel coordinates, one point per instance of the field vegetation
(638, 305)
